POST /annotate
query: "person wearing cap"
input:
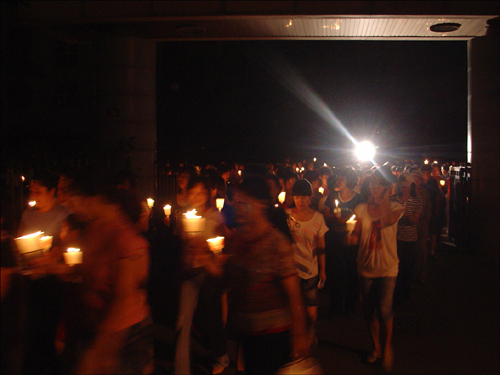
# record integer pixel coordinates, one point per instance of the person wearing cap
(407, 235)
(422, 226)
(376, 233)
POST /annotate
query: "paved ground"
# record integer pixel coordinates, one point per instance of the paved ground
(449, 326)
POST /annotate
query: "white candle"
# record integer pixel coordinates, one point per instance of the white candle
(46, 243)
(351, 224)
(32, 203)
(281, 197)
(216, 244)
(193, 223)
(337, 211)
(442, 182)
(151, 202)
(167, 209)
(321, 190)
(29, 242)
(219, 202)
(73, 256)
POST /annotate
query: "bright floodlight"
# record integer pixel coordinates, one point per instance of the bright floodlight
(365, 150)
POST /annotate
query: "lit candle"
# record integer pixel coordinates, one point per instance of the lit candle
(321, 190)
(151, 202)
(337, 211)
(167, 209)
(281, 197)
(314, 160)
(426, 161)
(29, 243)
(46, 243)
(442, 182)
(351, 224)
(219, 202)
(192, 223)
(32, 203)
(216, 245)
(73, 256)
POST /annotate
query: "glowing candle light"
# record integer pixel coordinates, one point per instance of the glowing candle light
(151, 202)
(426, 161)
(442, 182)
(281, 197)
(314, 160)
(351, 224)
(167, 209)
(219, 202)
(29, 243)
(192, 223)
(337, 211)
(321, 190)
(32, 203)
(46, 243)
(73, 256)
(216, 244)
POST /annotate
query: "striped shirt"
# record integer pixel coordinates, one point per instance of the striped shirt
(406, 230)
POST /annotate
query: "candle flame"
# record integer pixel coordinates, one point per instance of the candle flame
(281, 197)
(32, 203)
(167, 207)
(321, 190)
(336, 203)
(215, 239)
(442, 182)
(151, 202)
(219, 202)
(192, 215)
(352, 218)
(30, 235)
(73, 250)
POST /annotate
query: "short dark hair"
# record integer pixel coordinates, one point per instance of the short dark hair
(325, 170)
(311, 175)
(351, 177)
(302, 188)
(384, 175)
(46, 178)
(255, 187)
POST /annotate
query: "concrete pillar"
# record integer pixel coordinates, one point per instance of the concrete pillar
(484, 136)
(126, 106)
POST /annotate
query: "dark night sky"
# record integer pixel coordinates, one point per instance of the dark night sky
(264, 100)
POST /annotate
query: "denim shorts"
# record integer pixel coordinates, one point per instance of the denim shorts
(310, 291)
(377, 294)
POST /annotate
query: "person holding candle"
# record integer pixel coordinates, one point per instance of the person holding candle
(110, 328)
(196, 286)
(45, 291)
(267, 313)
(344, 287)
(308, 229)
(376, 233)
(289, 179)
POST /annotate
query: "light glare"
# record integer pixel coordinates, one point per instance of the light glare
(365, 151)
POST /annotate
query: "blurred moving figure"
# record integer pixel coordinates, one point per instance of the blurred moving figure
(110, 331)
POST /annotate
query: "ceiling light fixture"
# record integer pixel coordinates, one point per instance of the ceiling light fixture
(445, 27)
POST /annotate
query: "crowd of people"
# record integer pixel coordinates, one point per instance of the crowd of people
(289, 231)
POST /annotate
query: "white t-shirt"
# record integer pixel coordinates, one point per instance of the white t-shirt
(305, 235)
(378, 250)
